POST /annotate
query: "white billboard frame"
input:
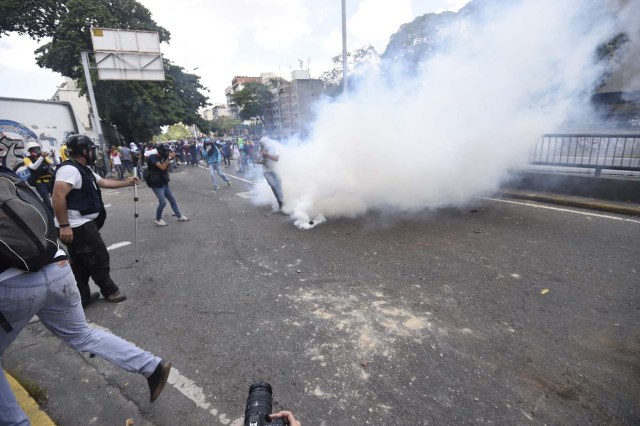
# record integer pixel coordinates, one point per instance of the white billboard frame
(127, 54)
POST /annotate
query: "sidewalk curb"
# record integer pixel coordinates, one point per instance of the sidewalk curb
(611, 207)
(28, 404)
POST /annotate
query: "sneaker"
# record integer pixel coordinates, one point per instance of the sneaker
(215, 188)
(93, 297)
(160, 222)
(229, 182)
(183, 218)
(158, 379)
(116, 297)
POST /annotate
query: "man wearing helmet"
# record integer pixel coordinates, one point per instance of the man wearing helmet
(80, 213)
(158, 165)
(39, 164)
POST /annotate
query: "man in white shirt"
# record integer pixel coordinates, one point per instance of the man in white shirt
(80, 213)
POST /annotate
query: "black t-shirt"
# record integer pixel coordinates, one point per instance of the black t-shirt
(157, 177)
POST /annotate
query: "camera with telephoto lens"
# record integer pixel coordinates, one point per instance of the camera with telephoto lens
(259, 405)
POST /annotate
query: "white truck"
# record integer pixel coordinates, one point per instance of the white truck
(26, 120)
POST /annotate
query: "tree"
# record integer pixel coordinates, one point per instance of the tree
(254, 100)
(35, 18)
(137, 108)
(174, 132)
(140, 108)
(223, 125)
(357, 61)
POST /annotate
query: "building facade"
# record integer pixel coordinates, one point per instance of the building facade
(68, 91)
(237, 84)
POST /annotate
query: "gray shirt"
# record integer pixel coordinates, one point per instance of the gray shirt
(125, 153)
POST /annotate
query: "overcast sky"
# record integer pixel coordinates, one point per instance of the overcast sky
(224, 38)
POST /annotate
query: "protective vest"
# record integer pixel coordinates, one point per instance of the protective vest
(42, 173)
(88, 199)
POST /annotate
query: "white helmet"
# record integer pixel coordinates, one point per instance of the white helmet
(32, 145)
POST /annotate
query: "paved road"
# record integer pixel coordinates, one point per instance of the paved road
(424, 318)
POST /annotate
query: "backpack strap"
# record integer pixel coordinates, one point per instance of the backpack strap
(14, 216)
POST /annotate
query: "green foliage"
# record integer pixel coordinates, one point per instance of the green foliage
(137, 108)
(418, 40)
(71, 33)
(223, 125)
(35, 18)
(254, 99)
(609, 49)
(355, 60)
(174, 132)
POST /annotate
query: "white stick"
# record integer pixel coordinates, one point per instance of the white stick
(135, 210)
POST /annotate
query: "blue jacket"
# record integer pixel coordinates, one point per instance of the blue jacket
(214, 156)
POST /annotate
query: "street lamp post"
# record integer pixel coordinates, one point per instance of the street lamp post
(344, 47)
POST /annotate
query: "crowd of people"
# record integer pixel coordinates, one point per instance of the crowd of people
(124, 160)
(71, 200)
(239, 153)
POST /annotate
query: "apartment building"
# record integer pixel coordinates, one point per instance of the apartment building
(216, 111)
(237, 84)
(292, 109)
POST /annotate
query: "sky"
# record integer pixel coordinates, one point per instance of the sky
(220, 39)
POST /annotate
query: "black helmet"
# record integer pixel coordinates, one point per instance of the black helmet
(78, 143)
(162, 148)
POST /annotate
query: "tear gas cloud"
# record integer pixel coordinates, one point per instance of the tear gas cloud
(455, 128)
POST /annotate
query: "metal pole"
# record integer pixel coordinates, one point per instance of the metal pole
(94, 107)
(135, 211)
(344, 47)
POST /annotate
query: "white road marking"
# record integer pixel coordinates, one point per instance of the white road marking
(239, 178)
(183, 385)
(118, 245)
(245, 195)
(540, 206)
(230, 175)
(106, 206)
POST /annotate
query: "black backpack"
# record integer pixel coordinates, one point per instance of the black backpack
(28, 236)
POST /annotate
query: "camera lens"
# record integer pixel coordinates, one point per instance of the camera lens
(259, 402)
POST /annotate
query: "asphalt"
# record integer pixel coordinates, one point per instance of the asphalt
(112, 402)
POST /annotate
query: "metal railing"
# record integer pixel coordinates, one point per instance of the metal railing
(613, 151)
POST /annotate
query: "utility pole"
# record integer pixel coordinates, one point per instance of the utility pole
(97, 126)
(344, 47)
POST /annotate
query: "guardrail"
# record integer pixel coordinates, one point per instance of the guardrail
(613, 151)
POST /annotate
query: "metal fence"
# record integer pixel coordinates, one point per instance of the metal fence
(592, 151)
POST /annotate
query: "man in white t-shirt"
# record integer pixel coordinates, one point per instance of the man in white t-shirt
(80, 213)
(268, 160)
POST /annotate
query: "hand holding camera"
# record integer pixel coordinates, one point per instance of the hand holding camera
(287, 416)
(259, 406)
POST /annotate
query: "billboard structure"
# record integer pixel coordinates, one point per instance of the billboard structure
(127, 55)
(121, 55)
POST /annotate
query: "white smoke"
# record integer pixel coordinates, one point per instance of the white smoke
(455, 129)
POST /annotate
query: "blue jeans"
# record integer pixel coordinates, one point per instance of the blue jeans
(244, 162)
(276, 186)
(52, 294)
(163, 195)
(127, 165)
(213, 169)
